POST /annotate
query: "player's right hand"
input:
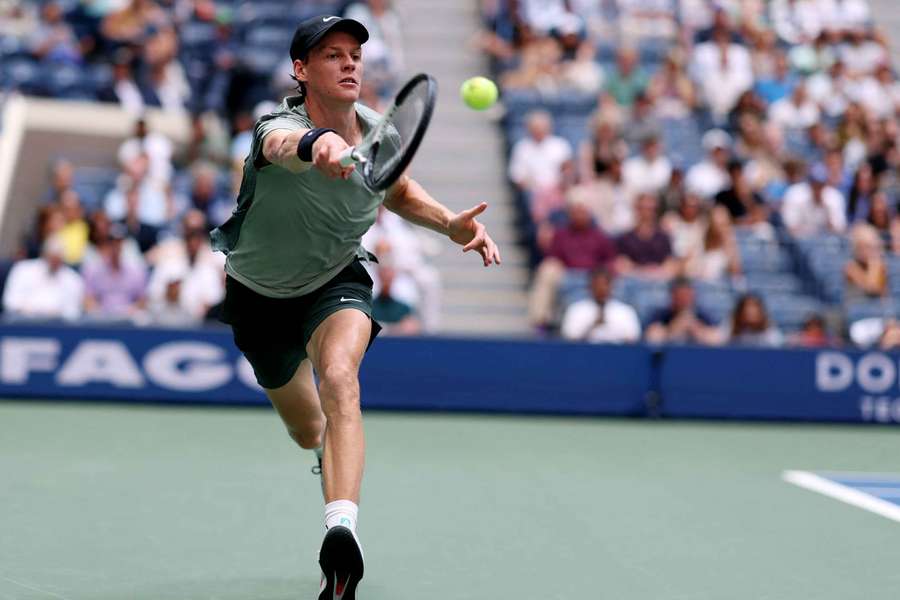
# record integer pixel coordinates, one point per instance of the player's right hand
(327, 152)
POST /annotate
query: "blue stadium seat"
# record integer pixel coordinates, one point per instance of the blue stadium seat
(867, 309)
(790, 311)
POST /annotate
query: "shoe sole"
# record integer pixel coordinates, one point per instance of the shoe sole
(342, 564)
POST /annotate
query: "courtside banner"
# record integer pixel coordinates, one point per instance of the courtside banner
(203, 366)
(804, 385)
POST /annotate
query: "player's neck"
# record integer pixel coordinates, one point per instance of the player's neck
(338, 116)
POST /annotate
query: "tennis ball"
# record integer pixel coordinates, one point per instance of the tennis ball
(479, 93)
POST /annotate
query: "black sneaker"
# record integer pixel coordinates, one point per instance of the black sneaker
(342, 564)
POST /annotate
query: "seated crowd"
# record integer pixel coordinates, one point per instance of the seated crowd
(692, 157)
(129, 243)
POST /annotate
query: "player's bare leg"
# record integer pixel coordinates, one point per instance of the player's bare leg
(298, 404)
(336, 350)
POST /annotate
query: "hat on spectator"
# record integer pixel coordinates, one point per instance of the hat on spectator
(311, 31)
(715, 139)
(818, 174)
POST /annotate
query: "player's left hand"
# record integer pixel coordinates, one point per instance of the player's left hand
(472, 235)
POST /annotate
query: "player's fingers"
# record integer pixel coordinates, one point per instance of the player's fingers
(475, 211)
(476, 241)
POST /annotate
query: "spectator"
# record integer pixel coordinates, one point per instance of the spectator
(881, 216)
(416, 282)
(626, 79)
(813, 207)
(723, 71)
(54, 41)
(74, 233)
(537, 160)
(156, 147)
(154, 203)
(175, 248)
(866, 272)
(682, 322)
(796, 21)
(863, 189)
(50, 221)
(583, 74)
(832, 89)
(646, 251)
(169, 310)
(99, 227)
(643, 122)
(163, 82)
(686, 227)
(709, 177)
(780, 85)
(605, 145)
(62, 176)
(610, 201)
(131, 24)
(798, 111)
(745, 206)
(674, 92)
(114, 288)
(601, 318)
(395, 317)
(861, 53)
(650, 170)
(198, 276)
(577, 246)
(123, 89)
(814, 334)
(43, 288)
(206, 195)
(717, 256)
(880, 93)
(750, 324)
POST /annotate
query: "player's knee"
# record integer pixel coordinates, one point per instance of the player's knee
(307, 438)
(339, 379)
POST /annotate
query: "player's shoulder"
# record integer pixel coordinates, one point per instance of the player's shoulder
(368, 114)
(291, 110)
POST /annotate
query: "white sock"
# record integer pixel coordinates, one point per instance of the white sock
(341, 512)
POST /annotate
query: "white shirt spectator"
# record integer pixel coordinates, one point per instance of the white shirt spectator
(202, 286)
(862, 58)
(537, 165)
(158, 149)
(706, 179)
(831, 94)
(882, 98)
(385, 45)
(789, 115)
(804, 217)
(844, 14)
(722, 76)
(796, 21)
(542, 15)
(33, 291)
(620, 323)
(642, 175)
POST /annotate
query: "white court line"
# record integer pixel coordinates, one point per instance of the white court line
(848, 495)
(32, 588)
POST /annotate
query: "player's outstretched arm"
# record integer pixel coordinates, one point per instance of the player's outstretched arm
(280, 148)
(410, 200)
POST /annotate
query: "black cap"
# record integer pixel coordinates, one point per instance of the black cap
(311, 31)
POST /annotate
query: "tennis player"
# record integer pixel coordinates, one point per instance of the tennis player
(298, 297)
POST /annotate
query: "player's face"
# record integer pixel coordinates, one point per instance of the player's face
(333, 70)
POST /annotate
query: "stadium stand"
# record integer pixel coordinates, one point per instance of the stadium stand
(803, 111)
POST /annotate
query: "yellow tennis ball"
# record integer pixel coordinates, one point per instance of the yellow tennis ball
(479, 93)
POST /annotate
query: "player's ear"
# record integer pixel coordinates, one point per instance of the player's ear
(300, 70)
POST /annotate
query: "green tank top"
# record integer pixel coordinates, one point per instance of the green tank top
(293, 232)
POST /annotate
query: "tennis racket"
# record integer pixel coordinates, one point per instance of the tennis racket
(387, 150)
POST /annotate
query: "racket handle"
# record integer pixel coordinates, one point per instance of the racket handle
(349, 157)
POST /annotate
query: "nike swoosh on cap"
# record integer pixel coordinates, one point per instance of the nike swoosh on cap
(349, 299)
(326, 19)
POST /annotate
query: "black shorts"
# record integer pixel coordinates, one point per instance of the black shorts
(273, 332)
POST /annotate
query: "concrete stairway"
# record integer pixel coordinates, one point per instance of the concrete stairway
(461, 163)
